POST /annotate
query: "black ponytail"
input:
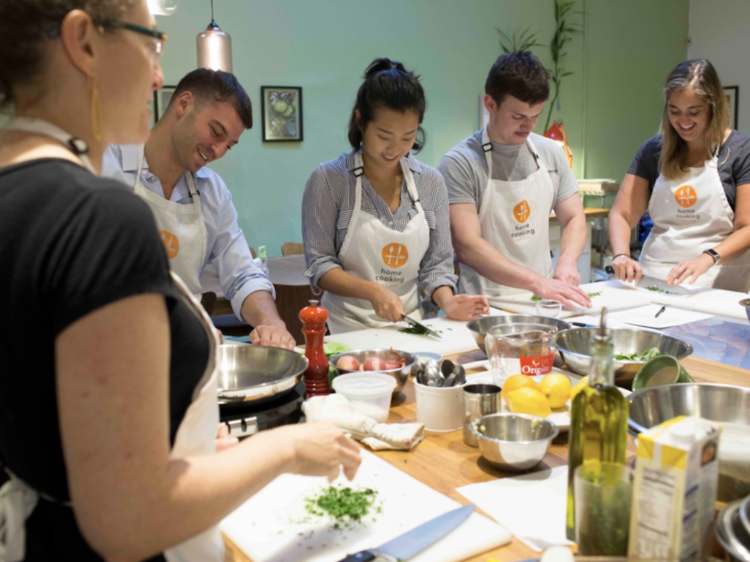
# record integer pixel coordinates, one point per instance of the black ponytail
(389, 85)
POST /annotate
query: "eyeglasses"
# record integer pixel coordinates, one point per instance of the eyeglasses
(156, 47)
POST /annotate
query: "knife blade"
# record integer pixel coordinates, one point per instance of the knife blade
(414, 324)
(410, 543)
(653, 283)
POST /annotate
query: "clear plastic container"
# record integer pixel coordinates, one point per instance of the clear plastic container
(370, 393)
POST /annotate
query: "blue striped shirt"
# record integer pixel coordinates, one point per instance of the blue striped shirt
(327, 209)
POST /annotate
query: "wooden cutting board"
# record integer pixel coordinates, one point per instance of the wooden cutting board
(614, 296)
(456, 338)
(269, 527)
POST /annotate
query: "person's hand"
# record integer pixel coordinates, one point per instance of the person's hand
(564, 293)
(223, 439)
(466, 307)
(387, 304)
(627, 269)
(273, 336)
(321, 449)
(567, 272)
(689, 270)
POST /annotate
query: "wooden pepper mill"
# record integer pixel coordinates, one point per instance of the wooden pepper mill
(313, 319)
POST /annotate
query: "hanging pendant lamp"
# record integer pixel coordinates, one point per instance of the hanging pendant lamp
(214, 47)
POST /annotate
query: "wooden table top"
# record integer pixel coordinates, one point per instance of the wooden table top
(445, 463)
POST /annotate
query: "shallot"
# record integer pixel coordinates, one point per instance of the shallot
(348, 363)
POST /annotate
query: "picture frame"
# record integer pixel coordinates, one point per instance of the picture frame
(162, 97)
(732, 94)
(281, 112)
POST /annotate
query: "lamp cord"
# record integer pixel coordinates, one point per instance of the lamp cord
(212, 11)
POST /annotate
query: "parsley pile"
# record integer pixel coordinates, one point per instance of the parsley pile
(343, 505)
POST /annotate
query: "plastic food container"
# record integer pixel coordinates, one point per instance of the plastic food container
(370, 393)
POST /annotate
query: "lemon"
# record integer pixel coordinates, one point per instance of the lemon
(529, 401)
(514, 382)
(556, 388)
(584, 382)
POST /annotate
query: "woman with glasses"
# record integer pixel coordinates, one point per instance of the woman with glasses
(107, 389)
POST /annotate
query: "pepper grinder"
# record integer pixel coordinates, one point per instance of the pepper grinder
(313, 319)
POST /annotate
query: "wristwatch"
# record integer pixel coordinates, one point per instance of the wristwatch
(714, 254)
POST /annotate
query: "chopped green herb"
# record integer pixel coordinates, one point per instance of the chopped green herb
(597, 294)
(647, 355)
(344, 505)
(534, 298)
(417, 331)
(655, 289)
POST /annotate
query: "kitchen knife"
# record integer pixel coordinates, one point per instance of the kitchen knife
(414, 324)
(656, 285)
(410, 543)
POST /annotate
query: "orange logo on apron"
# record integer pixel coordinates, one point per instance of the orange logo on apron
(395, 255)
(685, 196)
(521, 211)
(171, 243)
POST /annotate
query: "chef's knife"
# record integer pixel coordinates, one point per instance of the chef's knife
(657, 285)
(410, 543)
(414, 324)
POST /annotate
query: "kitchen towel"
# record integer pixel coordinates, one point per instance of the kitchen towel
(531, 506)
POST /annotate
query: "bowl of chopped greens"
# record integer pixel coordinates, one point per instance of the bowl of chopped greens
(634, 347)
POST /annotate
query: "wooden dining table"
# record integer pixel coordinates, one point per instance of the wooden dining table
(444, 462)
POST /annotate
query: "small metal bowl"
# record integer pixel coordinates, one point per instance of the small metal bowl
(256, 373)
(400, 375)
(746, 304)
(480, 326)
(575, 345)
(514, 442)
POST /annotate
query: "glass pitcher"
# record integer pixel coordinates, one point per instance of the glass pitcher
(524, 349)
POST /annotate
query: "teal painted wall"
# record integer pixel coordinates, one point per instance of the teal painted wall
(610, 104)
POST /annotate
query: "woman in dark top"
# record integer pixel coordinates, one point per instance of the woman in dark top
(694, 180)
(107, 409)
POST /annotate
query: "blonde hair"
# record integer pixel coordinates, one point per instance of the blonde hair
(701, 76)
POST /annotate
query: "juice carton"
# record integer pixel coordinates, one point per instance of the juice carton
(674, 489)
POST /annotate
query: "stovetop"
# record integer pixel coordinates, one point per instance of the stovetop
(246, 419)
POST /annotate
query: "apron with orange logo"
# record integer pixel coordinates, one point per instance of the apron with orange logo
(690, 215)
(182, 230)
(514, 216)
(373, 252)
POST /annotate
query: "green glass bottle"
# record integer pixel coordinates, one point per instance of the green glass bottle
(598, 418)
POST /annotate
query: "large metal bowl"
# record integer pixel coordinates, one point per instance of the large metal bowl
(746, 304)
(722, 403)
(513, 442)
(256, 373)
(400, 375)
(575, 345)
(480, 326)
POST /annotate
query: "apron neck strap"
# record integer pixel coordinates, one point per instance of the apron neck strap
(75, 145)
(487, 148)
(189, 177)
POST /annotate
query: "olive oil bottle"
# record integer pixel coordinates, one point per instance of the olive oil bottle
(598, 419)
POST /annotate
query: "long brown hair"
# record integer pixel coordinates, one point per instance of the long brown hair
(701, 76)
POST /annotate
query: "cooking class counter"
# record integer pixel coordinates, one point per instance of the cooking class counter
(444, 462)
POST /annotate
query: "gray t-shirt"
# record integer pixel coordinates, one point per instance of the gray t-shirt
(465, 168)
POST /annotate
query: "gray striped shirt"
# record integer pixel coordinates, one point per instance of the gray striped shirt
(327, 209)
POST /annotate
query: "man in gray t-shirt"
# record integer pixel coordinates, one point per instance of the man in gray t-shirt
(503, 182)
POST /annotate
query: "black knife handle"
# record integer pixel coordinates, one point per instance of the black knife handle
(364, 556)
(609, 269)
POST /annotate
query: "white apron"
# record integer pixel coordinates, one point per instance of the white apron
(182, 230)
(373, 252)
(514, 217)
(195, 435)
(691, 215)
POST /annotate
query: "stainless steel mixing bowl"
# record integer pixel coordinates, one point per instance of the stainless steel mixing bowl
(746, 304)
(256, 373)
(400, 375)
(514, 442)
(480, 326)
(575, 345)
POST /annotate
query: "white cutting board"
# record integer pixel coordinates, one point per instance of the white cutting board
(710, 301)
(455, 337)
(614, 296)
(264, 528)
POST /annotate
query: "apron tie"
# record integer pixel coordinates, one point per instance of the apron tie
(17, 501)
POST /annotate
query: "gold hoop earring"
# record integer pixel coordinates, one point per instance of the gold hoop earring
(96, 110)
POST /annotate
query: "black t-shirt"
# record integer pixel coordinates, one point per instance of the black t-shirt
(733, 158)
(70, 243)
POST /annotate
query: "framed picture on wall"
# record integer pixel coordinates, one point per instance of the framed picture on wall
(162, 97)
(732, 93)
(281, 110)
